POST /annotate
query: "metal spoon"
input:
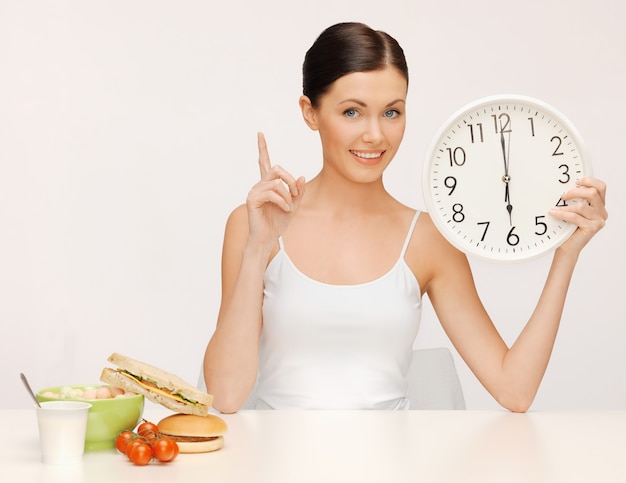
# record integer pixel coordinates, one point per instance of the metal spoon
(30, 391)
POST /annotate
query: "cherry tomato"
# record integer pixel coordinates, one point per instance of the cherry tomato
(165, 449)
(135, 441)
(176, 450)
(140, 453)
(151, 436)
(122, 440)
(147, 427)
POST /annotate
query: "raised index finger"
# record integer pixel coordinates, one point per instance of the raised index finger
(264, 157)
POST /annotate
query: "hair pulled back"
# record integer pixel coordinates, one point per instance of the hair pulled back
(345, 48)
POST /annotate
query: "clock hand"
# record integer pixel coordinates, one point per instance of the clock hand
(502, 143)
(509, 206)
(506, 178)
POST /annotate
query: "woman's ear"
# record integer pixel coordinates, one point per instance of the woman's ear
(308, 112)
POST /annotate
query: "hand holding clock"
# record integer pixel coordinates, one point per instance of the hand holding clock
(585, 208)
(552, 169)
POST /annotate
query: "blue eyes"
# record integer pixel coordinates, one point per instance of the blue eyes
(390, 114)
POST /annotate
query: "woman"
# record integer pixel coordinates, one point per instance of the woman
(323, 281)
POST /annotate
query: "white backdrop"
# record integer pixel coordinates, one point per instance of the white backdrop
(128, 134)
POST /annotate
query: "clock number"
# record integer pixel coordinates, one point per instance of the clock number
(543, 227)
(561, 202)
(458, 215)
(532, 127)
(566, 177)
(558, 146)
(457, 156)
(512, 239)
(479, 125)
(498, 123)
(450, 183)
(486, 223)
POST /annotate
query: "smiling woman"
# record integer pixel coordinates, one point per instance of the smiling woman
(364, 112)
(146, 123)
(322, 281)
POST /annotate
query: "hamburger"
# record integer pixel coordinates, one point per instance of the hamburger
(157, 385)
(194, 434)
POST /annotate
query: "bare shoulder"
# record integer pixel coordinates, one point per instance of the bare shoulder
(238, 217)
(236, 236)
(429, 254)
(428, 239)
(425, 225)
(235, 233)
(237, 225)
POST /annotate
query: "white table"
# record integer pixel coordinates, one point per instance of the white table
(358, 446)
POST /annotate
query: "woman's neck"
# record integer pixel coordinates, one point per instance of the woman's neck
(339, 195)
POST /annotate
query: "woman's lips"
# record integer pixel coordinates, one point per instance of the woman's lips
(368, 158)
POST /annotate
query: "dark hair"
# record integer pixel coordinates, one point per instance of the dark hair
(345, 48)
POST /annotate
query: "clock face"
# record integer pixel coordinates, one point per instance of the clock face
(494, 170)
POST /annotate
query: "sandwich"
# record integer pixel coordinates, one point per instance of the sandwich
(194, 434)
(157, 385)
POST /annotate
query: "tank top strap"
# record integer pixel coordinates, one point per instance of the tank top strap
(409, 234)
(281, 245)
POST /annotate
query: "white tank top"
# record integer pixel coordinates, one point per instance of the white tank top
(337, 346)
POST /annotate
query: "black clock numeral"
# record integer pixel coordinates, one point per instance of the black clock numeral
(458, 215)
(512, 239)
(566, 177)
(502, 123)
(542, 227)
(558, 146)
(486, 223)
(450, 183)
(561, 202)
(456, 156)
(479, 126)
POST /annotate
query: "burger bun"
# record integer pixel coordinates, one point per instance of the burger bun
(194, 434)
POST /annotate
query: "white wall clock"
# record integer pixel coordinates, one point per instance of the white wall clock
(495, 168)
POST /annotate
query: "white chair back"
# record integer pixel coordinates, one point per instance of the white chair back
(433, 380)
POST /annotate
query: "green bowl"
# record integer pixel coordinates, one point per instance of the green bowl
(107, 417)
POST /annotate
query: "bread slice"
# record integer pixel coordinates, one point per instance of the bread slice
(157, 385)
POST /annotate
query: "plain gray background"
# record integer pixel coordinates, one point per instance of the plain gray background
(128, 134)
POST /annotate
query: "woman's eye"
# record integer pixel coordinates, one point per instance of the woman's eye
(350, 113)
(392, 113)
